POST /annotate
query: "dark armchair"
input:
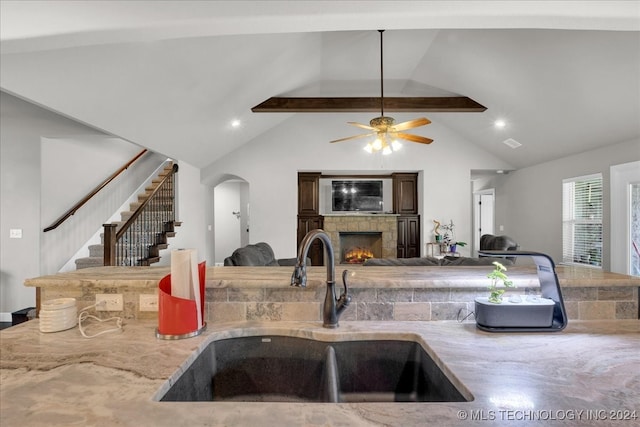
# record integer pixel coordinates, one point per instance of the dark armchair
(260, 254)
(489, 242)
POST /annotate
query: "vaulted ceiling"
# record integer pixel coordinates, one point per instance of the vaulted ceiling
(170, 76)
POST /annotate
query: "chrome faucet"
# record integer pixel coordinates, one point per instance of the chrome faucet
(333, 307)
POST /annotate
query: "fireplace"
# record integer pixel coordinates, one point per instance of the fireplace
(356, 247)
(385, 226)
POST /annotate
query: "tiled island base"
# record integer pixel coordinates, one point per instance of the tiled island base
(379, 293)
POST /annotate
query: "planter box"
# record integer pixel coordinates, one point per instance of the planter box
(529, 313)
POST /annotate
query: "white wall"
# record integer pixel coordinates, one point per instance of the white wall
(530, 200)
(271, 162)
(23, 125)
(71, 167)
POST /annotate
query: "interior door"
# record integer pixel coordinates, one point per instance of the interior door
(483, 215)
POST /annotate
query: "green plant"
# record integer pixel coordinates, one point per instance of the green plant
(498, 275)
(461, 244)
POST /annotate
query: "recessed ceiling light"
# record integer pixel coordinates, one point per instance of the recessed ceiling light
(235, 123)
(499, 123)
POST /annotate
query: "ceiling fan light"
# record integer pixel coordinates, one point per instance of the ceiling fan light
(395, 145)
(368, 148)
(386, 150)
(377, 144)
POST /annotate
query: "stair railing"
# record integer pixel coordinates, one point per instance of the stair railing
(138, 241)
(92, 193)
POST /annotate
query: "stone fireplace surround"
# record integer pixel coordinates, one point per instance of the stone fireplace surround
(387, 224)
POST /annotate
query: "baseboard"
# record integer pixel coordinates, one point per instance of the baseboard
(5, 317)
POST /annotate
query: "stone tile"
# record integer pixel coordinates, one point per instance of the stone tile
(573, 309)
(579, 294)
(446, 310)
(363, 295)
(264, 311)
(225, 312)
(47, 294)
(291, 295)
(627, 310)
(431, 295)
(245, 295)
(394, 295)
(615, 294)
(464, 295)
(597, 310)
(301, 311)
(412, 311)
(375, 311)
(350, 313)
(217, 295)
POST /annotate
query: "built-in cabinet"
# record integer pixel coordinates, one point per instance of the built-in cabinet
(405, 193)
(408, 236)
(309, 193)
(309, 217)
(405, 204)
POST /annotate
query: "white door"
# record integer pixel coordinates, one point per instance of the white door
(231, 216)
(625, 218)
(483, 215)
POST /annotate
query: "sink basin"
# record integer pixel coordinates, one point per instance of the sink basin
(290, 369)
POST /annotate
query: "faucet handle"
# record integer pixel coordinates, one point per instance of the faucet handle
(345, 273)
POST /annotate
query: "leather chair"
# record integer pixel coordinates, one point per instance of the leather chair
(258, 255)
(489, 242)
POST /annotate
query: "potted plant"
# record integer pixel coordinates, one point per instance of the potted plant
(497, 276)
(454, 246)
(495, 311)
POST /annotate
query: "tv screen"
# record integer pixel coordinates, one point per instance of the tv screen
(354, 196)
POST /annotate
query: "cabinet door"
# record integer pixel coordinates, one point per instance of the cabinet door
(402, 238)
(408, 237)
(308, 193)
(405, 193)
(306, 224)
(413, 237)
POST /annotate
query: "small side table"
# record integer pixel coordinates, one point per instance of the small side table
(442, 249)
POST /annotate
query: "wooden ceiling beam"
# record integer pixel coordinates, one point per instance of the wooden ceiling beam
(454, 104)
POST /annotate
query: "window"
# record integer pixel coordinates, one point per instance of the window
(582, 220)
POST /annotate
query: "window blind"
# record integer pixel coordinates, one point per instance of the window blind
(582, 220)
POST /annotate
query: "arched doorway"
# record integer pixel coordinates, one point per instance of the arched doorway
(231, 217)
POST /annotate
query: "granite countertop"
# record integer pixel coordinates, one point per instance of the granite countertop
(370, 277)
(585, 375)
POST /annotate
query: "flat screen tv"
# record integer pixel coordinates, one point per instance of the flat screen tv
(357, 196)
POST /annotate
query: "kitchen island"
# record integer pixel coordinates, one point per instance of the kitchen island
(585, 375)
(379, 293)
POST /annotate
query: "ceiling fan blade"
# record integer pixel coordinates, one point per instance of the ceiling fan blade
(352, 137)
(414, 138)
(422, 121)
(360, 125)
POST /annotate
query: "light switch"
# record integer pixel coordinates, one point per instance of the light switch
(15, 233)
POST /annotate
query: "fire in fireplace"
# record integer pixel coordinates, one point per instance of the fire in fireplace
(357, 247)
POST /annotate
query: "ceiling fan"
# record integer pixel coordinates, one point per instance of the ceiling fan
(385, 129)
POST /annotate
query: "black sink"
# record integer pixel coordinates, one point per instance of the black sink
(288, 369)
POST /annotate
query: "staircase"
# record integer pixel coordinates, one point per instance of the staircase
(163, 205)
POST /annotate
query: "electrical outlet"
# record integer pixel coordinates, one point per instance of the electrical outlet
(109, 302)
(148, 302)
